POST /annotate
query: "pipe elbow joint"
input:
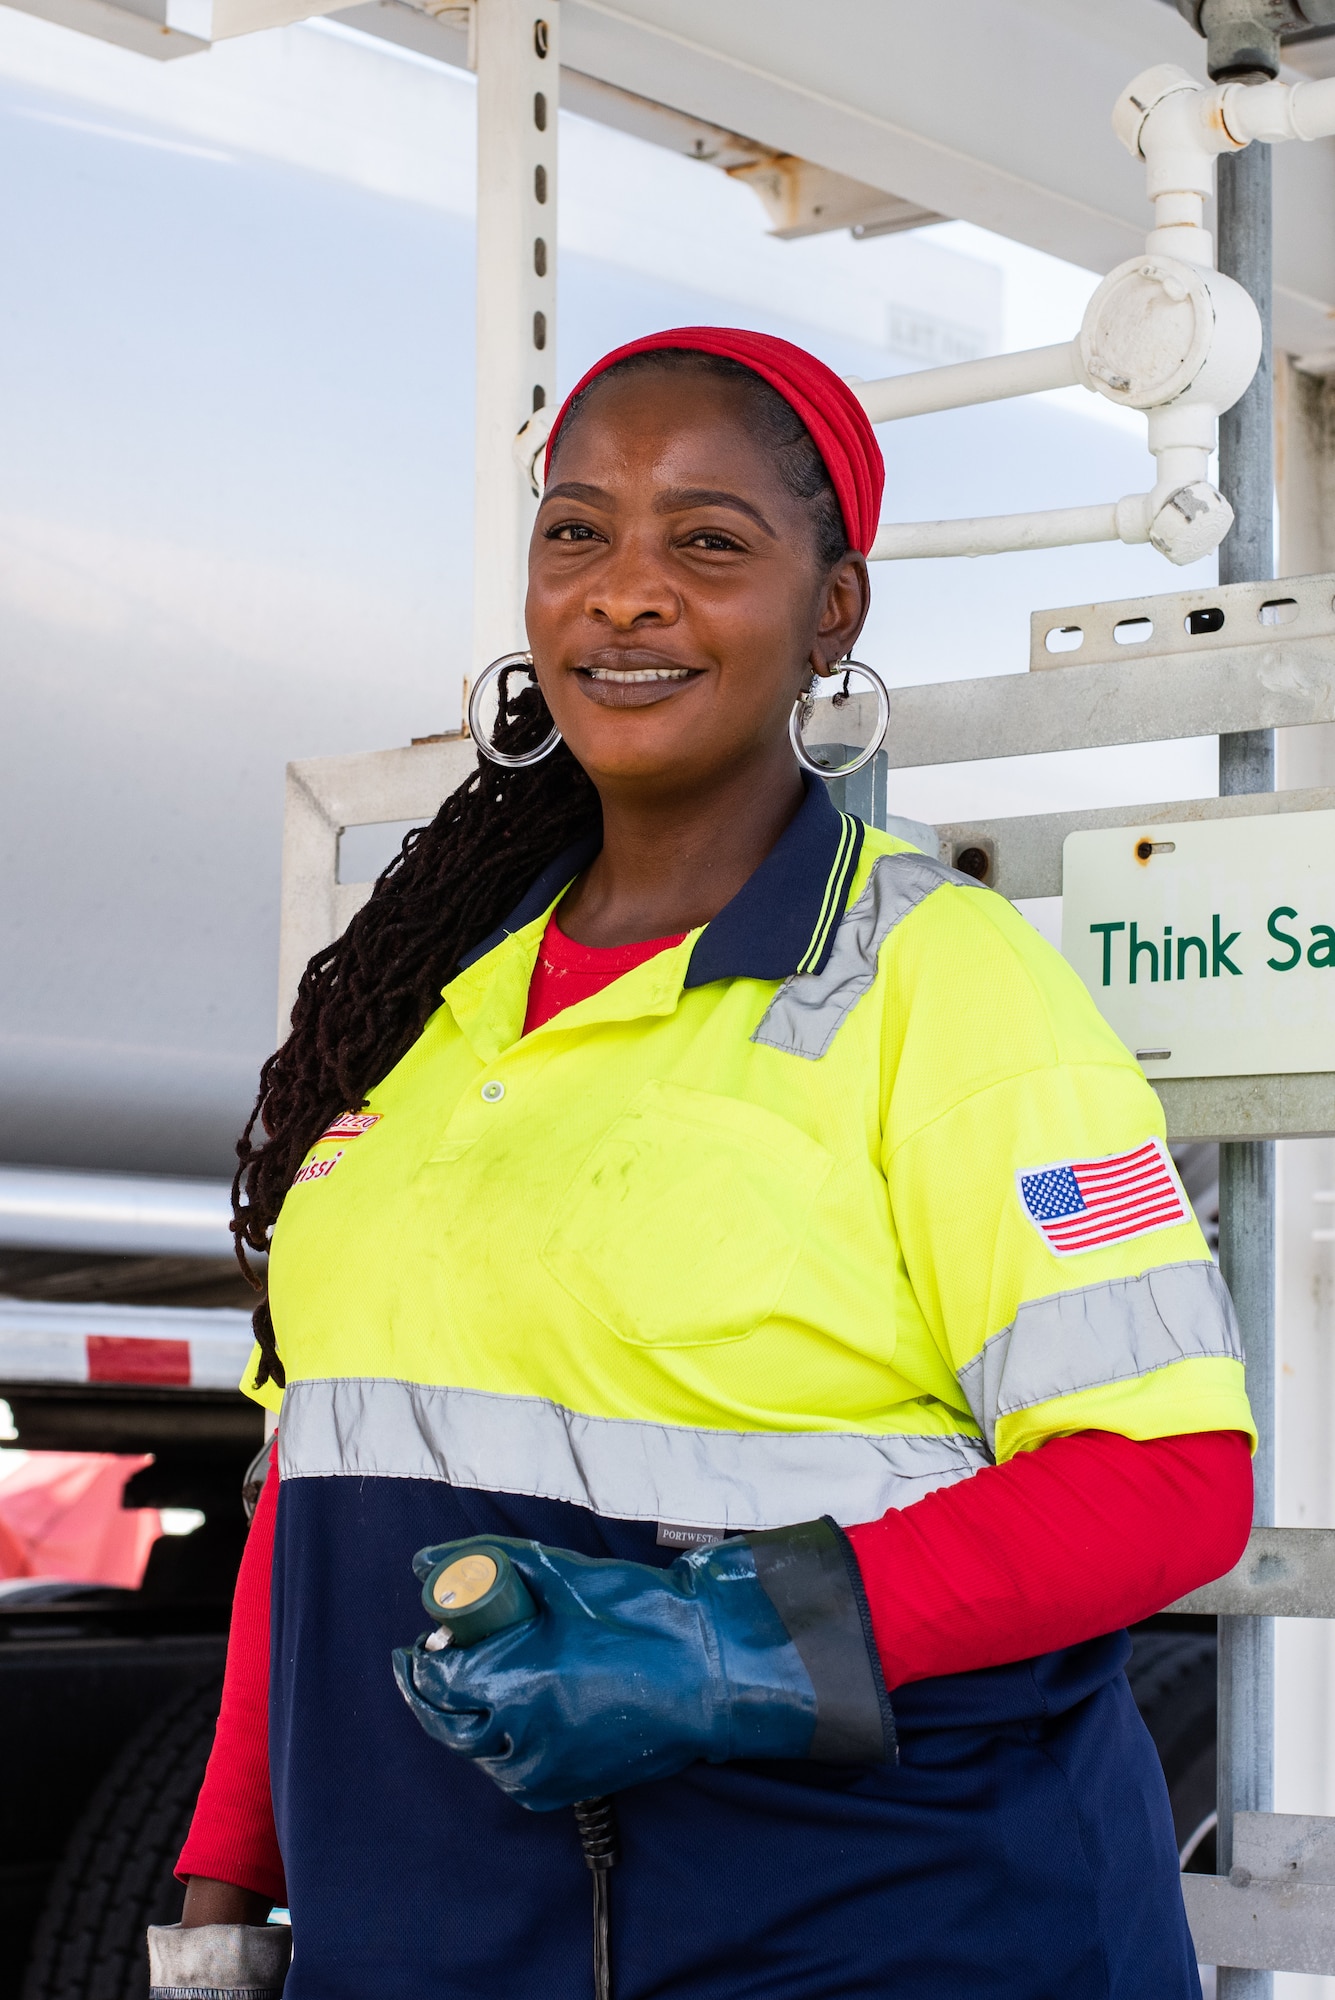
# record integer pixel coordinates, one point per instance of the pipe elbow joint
(1143, 95)
(1177, 126)
(1190, 523)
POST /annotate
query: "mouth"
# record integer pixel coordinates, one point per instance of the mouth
(636, 676)
(633, 686)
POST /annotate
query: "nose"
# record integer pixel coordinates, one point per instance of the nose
(631, 588)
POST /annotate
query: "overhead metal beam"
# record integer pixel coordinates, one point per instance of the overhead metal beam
(850, 100)
(971, 146)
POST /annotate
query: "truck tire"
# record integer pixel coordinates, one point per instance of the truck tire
(1172, 1676)
(115, 1877)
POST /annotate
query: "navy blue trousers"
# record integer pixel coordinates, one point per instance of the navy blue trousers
(1020, 1849)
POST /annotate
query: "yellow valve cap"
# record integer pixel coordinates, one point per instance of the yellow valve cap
(463, 1582)
(476, 1594)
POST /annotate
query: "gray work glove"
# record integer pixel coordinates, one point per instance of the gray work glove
(218, 1961)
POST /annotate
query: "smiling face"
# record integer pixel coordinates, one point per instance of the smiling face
(677, 601)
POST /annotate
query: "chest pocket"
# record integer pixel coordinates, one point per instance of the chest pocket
(683, 1224)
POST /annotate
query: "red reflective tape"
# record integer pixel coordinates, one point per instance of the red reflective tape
(116, 1357)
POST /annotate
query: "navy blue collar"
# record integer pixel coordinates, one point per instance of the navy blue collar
(781, 921)
(783, 918)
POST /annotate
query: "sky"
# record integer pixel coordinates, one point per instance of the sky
(235, 476)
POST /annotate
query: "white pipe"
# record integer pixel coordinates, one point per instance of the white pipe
(990, 380)
(1180, 128)
(1275, 111)
(123, 1214)
(998, 534)
(1166, 118)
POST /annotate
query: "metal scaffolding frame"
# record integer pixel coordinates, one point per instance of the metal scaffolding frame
(1246, 1703)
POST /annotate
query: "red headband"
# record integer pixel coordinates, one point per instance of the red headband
(831, 412)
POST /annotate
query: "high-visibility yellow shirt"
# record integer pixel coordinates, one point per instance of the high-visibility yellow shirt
(843, 1197)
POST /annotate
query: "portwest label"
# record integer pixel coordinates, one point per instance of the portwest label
(1209, 946)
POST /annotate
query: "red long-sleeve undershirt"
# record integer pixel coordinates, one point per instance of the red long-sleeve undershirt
(232, 1836)
(1079, 1537)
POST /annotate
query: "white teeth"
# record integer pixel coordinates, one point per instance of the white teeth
(633, 675)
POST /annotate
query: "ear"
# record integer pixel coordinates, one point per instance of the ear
(845, 599)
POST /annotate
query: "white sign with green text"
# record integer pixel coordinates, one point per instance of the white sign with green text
(1209, 946)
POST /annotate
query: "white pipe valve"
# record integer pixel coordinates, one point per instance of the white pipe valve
(1160, 331)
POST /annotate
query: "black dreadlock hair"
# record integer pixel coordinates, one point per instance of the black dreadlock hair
(364, 1000)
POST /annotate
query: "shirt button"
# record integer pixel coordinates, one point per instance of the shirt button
(493, 1092)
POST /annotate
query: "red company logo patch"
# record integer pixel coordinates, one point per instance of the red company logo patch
(318, 1170)
(351, 1125)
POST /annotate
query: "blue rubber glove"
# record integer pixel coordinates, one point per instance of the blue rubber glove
(758, 1647)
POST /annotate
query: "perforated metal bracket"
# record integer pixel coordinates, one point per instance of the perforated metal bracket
(1178, 622)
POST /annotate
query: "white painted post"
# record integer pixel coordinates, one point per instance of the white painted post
(518, 66)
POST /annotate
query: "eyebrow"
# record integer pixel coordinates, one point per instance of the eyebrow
(677, 497)
(574, 489)
(672, 501)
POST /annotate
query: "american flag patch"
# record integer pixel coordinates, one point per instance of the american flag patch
(1086, 1204)
(351, 1125)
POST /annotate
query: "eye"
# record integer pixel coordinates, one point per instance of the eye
(713, 538)
(571, 531)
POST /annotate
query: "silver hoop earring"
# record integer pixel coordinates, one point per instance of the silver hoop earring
(804, 709)
(507, 664)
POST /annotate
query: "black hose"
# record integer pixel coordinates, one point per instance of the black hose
(597, 1823)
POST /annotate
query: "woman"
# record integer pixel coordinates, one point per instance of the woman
(712, 1173)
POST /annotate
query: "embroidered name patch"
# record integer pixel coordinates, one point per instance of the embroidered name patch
(351, 1125)
(1086, 1204)
(317, 1170)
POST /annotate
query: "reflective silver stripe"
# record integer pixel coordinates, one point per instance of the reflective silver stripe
(809, 1008)
(631, 1471)
(1105, 1333)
